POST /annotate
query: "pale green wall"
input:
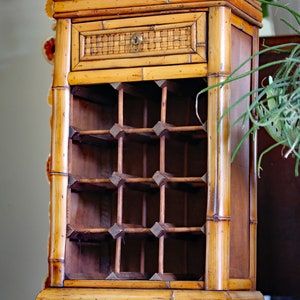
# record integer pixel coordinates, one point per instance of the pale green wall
(24, 146)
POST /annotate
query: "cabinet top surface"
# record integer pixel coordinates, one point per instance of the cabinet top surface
(78, 8)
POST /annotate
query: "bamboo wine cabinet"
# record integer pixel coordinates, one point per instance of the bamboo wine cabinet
(145, 203)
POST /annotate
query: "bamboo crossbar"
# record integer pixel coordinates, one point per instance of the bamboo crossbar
(136, 183)
(184, 128)
(235, 284)
(147, 284)
(85, 234)
(95, 281)
(94, 180)
(94, 132)
(74, 232)
(195, 229)
(142, 180)
(137, 230)
(143, 130)
(185, 179)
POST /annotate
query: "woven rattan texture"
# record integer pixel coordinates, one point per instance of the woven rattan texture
(119, 43)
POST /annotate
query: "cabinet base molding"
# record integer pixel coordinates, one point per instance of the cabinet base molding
(146, 294)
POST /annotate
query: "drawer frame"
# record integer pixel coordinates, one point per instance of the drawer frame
(175, 39)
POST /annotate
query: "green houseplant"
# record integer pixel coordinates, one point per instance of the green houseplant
(264, 7)
(276, 105)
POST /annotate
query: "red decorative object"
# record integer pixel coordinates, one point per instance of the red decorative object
(49, 49)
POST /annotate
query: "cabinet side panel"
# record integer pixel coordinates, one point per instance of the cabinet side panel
(240, 168)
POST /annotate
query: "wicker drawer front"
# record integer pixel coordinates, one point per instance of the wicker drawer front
(161, 40)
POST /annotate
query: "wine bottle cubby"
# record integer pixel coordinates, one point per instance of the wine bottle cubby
(137, 181)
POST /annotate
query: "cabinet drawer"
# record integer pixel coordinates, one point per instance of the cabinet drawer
(141, 41)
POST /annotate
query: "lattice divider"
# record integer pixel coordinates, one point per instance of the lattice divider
(121, 187)
(162, 167)
(120, 179)
(135, 205)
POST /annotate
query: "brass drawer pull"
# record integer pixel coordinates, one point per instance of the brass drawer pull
(136, 42)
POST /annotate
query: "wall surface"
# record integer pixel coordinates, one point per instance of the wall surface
(25, 78)
(277, 15)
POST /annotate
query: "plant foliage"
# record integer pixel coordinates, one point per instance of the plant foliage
(276, 106)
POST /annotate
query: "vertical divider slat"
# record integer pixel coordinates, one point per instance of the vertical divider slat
(162, 168)
(185, 174)
(144, 197)
(185, 199)
(120, 188)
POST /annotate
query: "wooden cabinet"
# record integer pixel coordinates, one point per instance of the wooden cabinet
(145, 202)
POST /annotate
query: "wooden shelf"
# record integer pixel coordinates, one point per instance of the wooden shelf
(131, 230)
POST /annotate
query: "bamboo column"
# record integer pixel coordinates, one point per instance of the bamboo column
(59, 154)
(218, 206)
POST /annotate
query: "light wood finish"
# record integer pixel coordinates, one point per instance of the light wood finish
(138, 74)
(140, 294)
(218, 210)
(178, 39)
(234, 284)
(144, 200)
(248, 9)
(58, 169)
